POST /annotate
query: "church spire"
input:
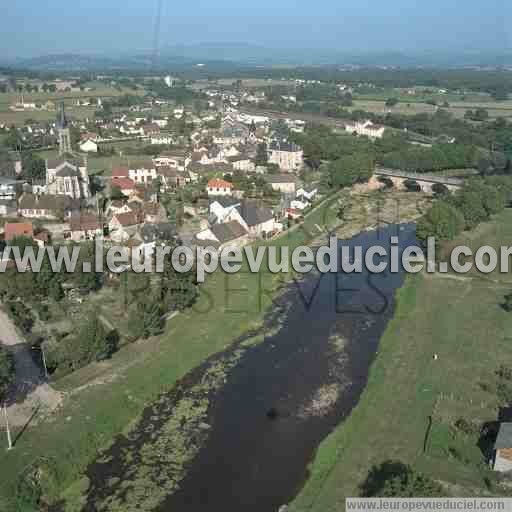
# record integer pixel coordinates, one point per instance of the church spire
(64, 134)
(62, 122)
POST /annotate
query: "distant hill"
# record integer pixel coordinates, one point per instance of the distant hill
(226, 56)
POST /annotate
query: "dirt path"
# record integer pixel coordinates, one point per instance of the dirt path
(31, 396)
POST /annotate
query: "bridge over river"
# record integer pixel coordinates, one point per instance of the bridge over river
(425, 181)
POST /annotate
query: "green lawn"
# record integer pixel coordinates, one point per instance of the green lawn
(461, 321)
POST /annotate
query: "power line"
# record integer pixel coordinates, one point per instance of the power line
(156, 34)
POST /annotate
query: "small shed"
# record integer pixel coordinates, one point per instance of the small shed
(503, 449)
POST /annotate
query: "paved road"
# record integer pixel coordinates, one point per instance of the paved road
(31, 393)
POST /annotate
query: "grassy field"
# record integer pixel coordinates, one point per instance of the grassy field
(460, 320)
(9, 117)
(412, 106)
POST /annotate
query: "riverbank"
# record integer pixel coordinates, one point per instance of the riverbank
(113, 394)
(461, 321)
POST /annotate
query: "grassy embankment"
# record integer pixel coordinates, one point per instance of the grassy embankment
(459, 319)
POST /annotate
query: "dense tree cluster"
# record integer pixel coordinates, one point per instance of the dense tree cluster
(436, 158)
(472, 204)
(90, 341)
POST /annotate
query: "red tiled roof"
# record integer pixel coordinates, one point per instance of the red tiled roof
(216, 183)
(120, 172)
(16, 229)
(123, 183)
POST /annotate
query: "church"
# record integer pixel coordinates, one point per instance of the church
(66, 175)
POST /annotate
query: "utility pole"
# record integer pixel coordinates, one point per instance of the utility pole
(44, 360)
(9, 441)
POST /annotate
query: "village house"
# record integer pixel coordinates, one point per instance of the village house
(284, 183)
(307, 192)
(366, 128)
(154, 213)
(142, 173)
(172, 179)
(258, 221)
(288, 156)
(116, 206)
(13, 230)
(123, 226)
(46, 206)
(242, 163)
(89, 146)
(84, 227)
(151, 130)
(502, 459)
(178, 159)
(229, 234)
(163, 139)
(125, 185)
(7, 188)
(221, 207)
(218, 187)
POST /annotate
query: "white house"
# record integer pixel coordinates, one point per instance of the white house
(308, 193)
(288, 156)
(163, 139)
(89, 146)
(217, 187)
(228, 234)
(284, 183)
(259, 222)
(142, 173)
(221, 207)
(366, 128)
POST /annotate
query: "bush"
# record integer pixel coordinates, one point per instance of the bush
(442, 221)
(395, 479)
(20, 315)
(7, 370)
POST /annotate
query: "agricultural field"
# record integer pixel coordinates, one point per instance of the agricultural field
(98, 90)
(460, 319)
(412, 106)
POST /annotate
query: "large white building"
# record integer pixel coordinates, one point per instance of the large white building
(366, 128)
(288, 156)
(67, 177)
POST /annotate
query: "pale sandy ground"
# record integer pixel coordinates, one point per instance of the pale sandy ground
(31, 397)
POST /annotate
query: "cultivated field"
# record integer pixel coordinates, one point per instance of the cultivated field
(9, 117)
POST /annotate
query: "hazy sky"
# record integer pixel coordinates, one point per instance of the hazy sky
(35, 27)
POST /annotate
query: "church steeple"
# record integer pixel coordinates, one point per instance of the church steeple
(63, 131)
(62, 122)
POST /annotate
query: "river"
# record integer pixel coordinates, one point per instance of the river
(286, 394)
